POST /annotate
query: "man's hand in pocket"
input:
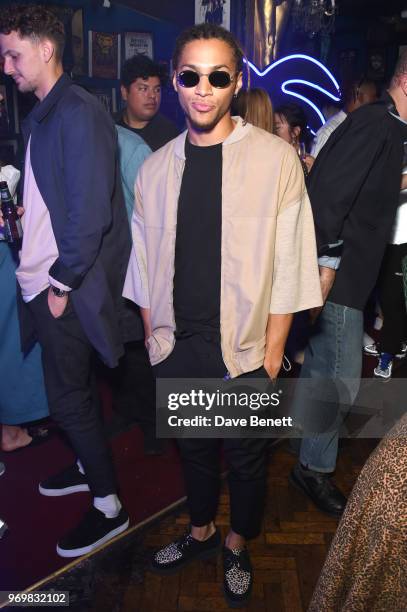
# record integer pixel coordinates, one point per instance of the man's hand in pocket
(56, 304)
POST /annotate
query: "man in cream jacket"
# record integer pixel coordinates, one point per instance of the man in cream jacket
(223, 254)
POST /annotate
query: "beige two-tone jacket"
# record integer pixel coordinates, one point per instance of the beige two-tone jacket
(268, 252)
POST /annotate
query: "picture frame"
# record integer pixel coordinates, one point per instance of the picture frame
(78, 44)
(104, 55)
(213, 11)
(107, 97)
(138, 43)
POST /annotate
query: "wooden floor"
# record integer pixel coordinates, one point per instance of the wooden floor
(287, 557)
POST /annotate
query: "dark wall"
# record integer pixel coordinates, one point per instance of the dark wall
(118, 19)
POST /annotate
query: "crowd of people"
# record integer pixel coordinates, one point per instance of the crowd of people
(187, 255)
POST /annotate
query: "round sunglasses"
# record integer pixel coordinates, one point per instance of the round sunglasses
(217, 78)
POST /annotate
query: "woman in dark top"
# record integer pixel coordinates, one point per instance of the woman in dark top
(290, 123)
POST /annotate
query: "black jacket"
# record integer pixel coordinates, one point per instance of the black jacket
(354, 189)
(74, 160)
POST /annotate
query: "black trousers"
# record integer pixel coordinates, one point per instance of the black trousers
(70, 383)
(133, 386)
(201, 357)
(392, 300)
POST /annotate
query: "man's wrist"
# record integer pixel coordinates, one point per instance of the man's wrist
(273, 350)
(60, 293)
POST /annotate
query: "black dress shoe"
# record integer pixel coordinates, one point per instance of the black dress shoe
(320, 489)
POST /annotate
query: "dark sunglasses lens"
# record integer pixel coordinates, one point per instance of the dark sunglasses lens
(188, 78)
(219, 79)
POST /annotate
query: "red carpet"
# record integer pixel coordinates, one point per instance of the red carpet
(27, 550)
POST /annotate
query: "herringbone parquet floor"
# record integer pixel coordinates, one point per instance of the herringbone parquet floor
(287, 556)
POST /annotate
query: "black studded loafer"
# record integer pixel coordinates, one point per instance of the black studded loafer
(174, 556)
(238, 576)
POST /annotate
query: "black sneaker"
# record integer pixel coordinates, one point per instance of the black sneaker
(238, 576)
(174, 556)
(68, 481)
(93, 531)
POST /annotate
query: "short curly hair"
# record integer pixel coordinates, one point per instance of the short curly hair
(141, 67)
(207, 31)
(36, 22)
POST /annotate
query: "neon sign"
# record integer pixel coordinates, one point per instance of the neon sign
(321, 80)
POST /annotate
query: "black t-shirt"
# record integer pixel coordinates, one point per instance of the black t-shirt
(198, 241)
(156, 133)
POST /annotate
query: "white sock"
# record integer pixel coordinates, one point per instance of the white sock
(80, 467)
(109, 505)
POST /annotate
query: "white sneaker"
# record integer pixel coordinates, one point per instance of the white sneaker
(385, 366)
(371, 349)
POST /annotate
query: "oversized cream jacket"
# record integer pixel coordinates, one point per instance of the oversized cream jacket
(268, 252)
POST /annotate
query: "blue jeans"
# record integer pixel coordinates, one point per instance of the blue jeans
(332, 369)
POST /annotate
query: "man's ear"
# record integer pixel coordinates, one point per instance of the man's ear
(174, 81)
(403, 83)
(239, 83)
(296, 131)
(124, 92)
(47, 49)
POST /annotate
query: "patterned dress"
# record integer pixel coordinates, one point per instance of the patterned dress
(366, 567)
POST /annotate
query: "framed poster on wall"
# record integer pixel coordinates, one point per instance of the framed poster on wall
(107, 97)
(77, 43)
(72, 19)
(138, 43)
(213, 11)
(104, 55)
